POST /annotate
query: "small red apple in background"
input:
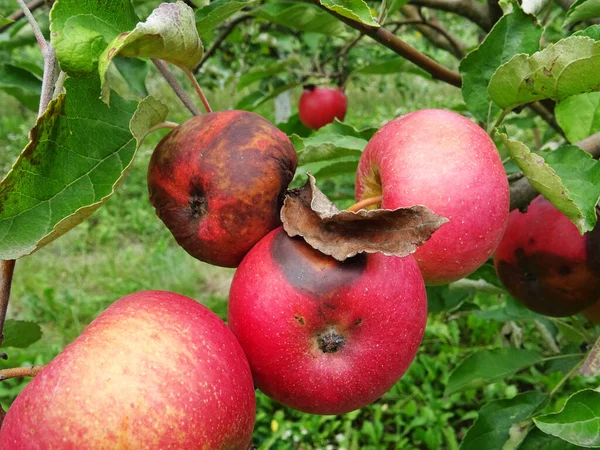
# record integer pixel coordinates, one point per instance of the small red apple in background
(320, 106)
(324, 336)
(546, 264)
(218, 180)
(446, 162)
(156, 370)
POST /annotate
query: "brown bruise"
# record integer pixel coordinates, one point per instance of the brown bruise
(311, 271)
(549, 284)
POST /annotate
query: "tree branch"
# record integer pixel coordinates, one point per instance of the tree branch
(6, 276)
(522, 192)
(32, 6)
(179, 91)
(477, 13)
(400, 47)
(18, 372)
(227, 30)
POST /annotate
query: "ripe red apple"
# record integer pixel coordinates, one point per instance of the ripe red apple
(217, 181)
(592, 313)
(320, 106)
(323, 336)
(156, 370)
(546, 264)
(446, 162)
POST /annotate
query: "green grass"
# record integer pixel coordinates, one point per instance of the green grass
(124, 248)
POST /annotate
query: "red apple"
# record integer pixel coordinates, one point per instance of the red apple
(546, 264)
(446, 162)
(320, 106)
(156, 370)
(324, 336)
(592, 313)
(218, 180)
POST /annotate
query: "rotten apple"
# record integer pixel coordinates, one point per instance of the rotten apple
(446, 162)
(324, 336)
(156, 370)
(546, 264)
(320, 106)
(217, 181)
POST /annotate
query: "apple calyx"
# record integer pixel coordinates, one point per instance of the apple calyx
(330, 341)
(308, 213)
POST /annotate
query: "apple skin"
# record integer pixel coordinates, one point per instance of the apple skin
(156, 370)
(592, 313)
(323, 336)
(446, 162)
(320, 106)
(218, 181)
(546, 264)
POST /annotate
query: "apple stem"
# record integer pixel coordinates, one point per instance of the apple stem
(8, 269)
(162, 125)
(19, 372)
(192, 78)
(364, 203)
(164, 70)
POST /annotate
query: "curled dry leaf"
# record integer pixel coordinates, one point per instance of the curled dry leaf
(591, 365)
(307, 212)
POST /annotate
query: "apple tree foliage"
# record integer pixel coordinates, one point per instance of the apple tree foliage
(522, 62)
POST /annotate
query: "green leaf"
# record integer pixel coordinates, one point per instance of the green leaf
(134, 71)
(389, 65)
(591, 365)
(4, 20)
(569, 67)
(215, 13)
(538, 440)
(20, 334)
(326, 146)
(592, 32)
(337, 127)
(487, 366)
(567, 176)
(80, 31)
(511, 310)
(300, 16)
(487, 273)
(441, 298)
(169, 33)
(337, 169)
(492, 428)
(514, 33)
(582, 10)
(253, 100)
(79, 150)
(579, 115)
(356, 10)
(21, 84)
(578, 422)
(259, 72)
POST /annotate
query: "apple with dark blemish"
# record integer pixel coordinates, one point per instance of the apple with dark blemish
(546, 264)
(156, 370)
(218, 181)
(320, 106)
(324, 336)
(447, 163)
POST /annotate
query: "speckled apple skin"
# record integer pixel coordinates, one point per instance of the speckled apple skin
(156, 370)
(218, 180)
(446, 162)
(285, 295)
(546, 264)
(319, 106)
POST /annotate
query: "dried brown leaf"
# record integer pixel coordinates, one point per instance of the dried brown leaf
(591, 365)
(307, 212)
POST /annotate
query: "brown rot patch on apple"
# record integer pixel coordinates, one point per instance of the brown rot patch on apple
(300, 320)
(310, 270)
(549, 284)
(198, 203)
(330, 341)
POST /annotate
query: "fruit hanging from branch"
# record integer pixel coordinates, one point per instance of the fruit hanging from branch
(320, 106)
(155, 370)
(446, 162)
(217, 181)
(546, 264)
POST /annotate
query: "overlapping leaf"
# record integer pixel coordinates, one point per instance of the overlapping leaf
(20, 334)
(582, 10)
(21, 84)
(300, 16)
(567, 176)
(578, 422)
(538, 440)
(514, 33)
(327, 146)
(79, 151)
(569, 67)
(210, 16)
(356, 10)
(579, 115)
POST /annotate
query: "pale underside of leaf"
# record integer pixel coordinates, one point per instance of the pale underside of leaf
(307, 212)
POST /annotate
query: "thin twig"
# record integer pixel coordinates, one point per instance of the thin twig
(163, 68)
(60, 82)
(229, 27)
(192, 78)
(32, 6)
(19, 372)
(458, 51)
(8, 269)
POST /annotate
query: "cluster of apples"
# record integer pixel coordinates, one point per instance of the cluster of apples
(158, 370)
